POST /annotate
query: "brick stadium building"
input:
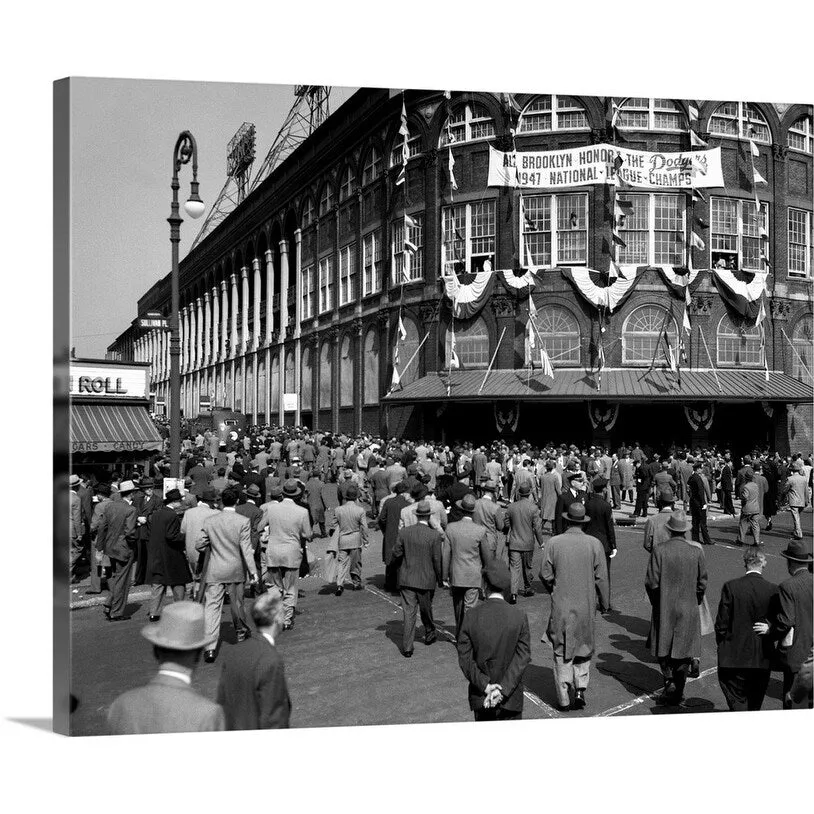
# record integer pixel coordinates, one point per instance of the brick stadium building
(299, 290)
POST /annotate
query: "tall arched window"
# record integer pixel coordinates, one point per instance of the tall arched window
(326, 199)
(290, 378)
(738, 345)
(802, 340)
(643, 336)
(346, 187)
(372, 168)
(228, 400)
(468, 122)
(471, 344)
(545, 113)
(346, 372)
(308, 212)
(306, 389)
(249, 389)
(407, 352)
(559, 330)
(740, 120)
(637, 113)
(801, 135)
(275, 384)
(371, 363)
(325, 376)
(261, 387)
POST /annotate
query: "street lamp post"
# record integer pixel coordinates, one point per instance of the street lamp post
(185, 150)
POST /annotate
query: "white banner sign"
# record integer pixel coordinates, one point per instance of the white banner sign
(108, 381)
(289, 402)
(605, 164)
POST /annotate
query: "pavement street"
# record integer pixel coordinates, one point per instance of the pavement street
(344, 667)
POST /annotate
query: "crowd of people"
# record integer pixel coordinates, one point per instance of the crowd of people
(465, 517)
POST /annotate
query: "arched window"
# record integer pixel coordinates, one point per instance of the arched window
(261, 387)
(545, 113)
(738, 346)
(740, 120)
(308, 212)
(275, 385)
(228, 396)
(325, 376)
(249, 386)
(802, 341)
(643, 336)
(467, 123)
(471, 344)
(407, 352)
(290, 383)
(346, 187)
(801, 135)
(306, 389)
(559, 331)
(326, 199)
(371, 363)
(637, 113)
(346, 372)
(373, 166)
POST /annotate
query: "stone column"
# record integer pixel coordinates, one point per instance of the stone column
(233, 333)
(283, 288)
(269, 301)
(184, 320)
(256, 304)
(358, 375)
(207, 329)
(224, 319)
(244, 333)
(215, 323)
(333, 334)
(297, 323)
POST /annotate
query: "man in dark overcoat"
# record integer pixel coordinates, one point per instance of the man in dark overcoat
(676, 582)
(167, 565)
(388, 521)
(601, 525)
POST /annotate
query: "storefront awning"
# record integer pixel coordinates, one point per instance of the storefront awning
(629, 385)
(113, 428)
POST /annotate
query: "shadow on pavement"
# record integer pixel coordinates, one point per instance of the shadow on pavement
(540, 681)
(688, 705)
(634, 676)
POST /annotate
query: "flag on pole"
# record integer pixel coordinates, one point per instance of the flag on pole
(451, 165)
(761, 314)
(671, 359)
(613, 271)
(396, 380)
(408, 221)
(601, 363)
(696, 140)
(545, 361)
(754, 148)
(696, 242)
(759, 179)
(454, 362)
(402, 329)
(529, 344)
(405, 151)
(614, 113)
(693, 111)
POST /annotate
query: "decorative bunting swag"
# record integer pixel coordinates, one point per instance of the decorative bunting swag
(513, 281)
(468, 298)
(744, 298)
(608, 297)
(678, 279)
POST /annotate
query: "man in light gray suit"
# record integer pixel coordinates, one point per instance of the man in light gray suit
(168, 703)
(350, 521)
(191, 525)
(228, 537)
(288, 528)
(525, 526)
(468, 554)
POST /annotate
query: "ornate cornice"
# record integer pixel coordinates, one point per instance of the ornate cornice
(780, 151)
(429, 314)
(503, 306)
(781, 309)
(356, 326)
(702, 305)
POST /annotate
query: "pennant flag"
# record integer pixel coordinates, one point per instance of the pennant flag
(451, 163)
(697, 141)
(614, 113)
(548, 368)
(408, 221)
(696, 242)
(532, 308)
(754, 148)
(410, 247)
(613, 272)
(618, 240)
(671, 359)
(529, 258)
(693, 111)
(509, 102)
(697, 195)
(687, 325)
(454, 362)
(626, 205)
(529, 344)
(601, 364)
(618, 162)
(396, 380)
(402, 330)
(759, 179)
(761, 314)
(403, 130)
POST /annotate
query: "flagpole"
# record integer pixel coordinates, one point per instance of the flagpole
(420, 345)
(794, 350)
(656, 350)
(494, 356)
(714, 371)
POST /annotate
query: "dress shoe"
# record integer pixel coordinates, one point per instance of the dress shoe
(358, 587)
(407, 653)
(513, 599)
(579, 699)
(117, 618)
(288, 625)
(106, 610)
(769, 526)
(209, 656)
(89, 593)
(431, 638)
(528, 592)
(566, 708)
(340, 590)
(154, 618)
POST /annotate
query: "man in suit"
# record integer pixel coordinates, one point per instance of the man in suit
(744, 665)
(749, 494)
(575, 492)
(601, 525)
(525, 526)
(146, 500)
(417, 554)
(796, 492)
(252, 688)
(697, 492)
(727, 506)
(191, 525)
(494, 649)
(663, 480)
(550, 488)
(793, 616)
(168, 703)
(654, 529)
(98, 561)
(117, 539)
(167, 565)
(388, 521)
(77, 528)
(524, 475)
(479, 462)
(676, 582)
(228, 537)
(468, 553)
(289, 529)
(492, 517)
(350, 527)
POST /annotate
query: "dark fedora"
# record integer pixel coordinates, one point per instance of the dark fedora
(678, 522)
(252, 490)
(423, 509)
(496, 573)
(524, 488)
(172, 495)
(797, 551)
(291, 488)
(275, 492)
(599, 482)
(209, 494)
(146, 483)
(466, 503)
(576, 514)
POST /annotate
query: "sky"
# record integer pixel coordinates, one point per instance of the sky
(123, 132)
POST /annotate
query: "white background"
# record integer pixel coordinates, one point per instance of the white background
(691, 762)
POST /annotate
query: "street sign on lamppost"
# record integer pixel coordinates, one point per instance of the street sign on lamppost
(185, 150)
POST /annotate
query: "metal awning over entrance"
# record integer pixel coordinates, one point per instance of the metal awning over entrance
(627, 385)
(113, 428)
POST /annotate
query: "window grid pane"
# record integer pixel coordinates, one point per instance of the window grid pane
(642, 336)
(560, 334)
(799, 242)
(635, 231)
(738, 347)
(453, 242)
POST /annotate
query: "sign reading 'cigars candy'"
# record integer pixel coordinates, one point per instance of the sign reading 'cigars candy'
(605, 164)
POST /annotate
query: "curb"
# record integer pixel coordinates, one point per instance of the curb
(99, 599)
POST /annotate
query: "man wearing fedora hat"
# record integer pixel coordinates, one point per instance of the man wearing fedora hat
(576, 491)
(575, 574)
(77, 528)
(117, 538)
(796, 494)
(464, 559)
(350, 526)
(494, 649)
(601, 524)
(289, 529)
(167, 565)
(146, 500)
(493, 518)
(655, 530)
(191, 525)
(791, 626)
(676, 583)
(525, 526)
(168, 703)
(418, 557)
(248, 506)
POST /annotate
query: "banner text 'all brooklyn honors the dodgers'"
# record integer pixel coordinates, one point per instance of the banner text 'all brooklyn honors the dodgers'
(605, 164)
